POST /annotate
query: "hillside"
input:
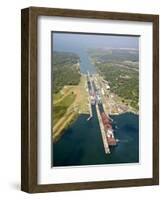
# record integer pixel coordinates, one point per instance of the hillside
(120, 68)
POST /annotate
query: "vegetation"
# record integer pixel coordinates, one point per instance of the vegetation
(65, 76)
(120, 69)
(67, 106)
(60, 108)
(65, 70)
(114, 55)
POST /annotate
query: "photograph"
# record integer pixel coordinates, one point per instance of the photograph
(89, 99)
(95, 99)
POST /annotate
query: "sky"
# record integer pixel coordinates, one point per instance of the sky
(72, 41)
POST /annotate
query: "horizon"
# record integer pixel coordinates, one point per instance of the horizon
(81, 41)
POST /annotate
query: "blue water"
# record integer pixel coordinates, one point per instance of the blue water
(81, 143)
(85, 63)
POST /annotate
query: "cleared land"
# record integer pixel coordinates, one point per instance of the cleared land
(66, 84)
(67, 104)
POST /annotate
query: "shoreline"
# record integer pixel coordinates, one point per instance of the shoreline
(67, 123)
(122, 113)
(115, 108)
(74, 109)
(74, 117)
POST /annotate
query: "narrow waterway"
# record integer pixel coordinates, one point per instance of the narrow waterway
(82, 144)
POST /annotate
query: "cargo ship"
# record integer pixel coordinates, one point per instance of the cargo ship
(107, 123)
(93, 99)
(92, 92)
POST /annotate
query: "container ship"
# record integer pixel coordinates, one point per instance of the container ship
(107, 123)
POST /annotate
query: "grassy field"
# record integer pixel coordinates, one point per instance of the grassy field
(67, 104)
(60, 108)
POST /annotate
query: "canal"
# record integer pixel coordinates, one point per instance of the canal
(82, 144)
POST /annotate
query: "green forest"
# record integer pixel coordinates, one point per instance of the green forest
(123, 82)
(120, 68)
(114, 55)
(65, 70)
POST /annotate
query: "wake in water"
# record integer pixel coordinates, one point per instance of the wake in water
(123, 141)
(89, 118)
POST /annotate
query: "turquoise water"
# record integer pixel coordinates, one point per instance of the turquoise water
(82, 144)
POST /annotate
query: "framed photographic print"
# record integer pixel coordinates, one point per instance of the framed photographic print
(90, 99)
